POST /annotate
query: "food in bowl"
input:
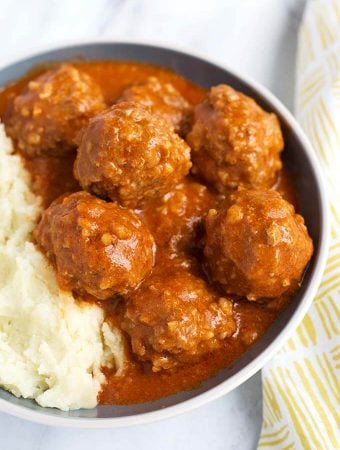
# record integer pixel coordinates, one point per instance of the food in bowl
(151, 233)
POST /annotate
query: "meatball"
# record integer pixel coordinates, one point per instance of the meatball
(97, 248)
(257, 246)
(176, 219)
(163, 100)
(234, 142)
(175, 318)
(46, 117)
(131, 156)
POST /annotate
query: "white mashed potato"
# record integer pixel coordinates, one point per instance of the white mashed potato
(51, 348)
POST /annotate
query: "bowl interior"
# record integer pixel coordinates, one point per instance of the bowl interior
(205, 74)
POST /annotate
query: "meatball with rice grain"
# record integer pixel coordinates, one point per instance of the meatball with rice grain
(47, 116)
(257, 246)
(176, 219)
(234, 141)
(97, 248)
(176, 318)
(131, 156)
(164, 100)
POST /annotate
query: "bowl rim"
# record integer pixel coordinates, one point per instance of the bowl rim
(254, 366)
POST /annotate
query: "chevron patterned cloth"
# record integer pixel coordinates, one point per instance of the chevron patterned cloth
(301, 384)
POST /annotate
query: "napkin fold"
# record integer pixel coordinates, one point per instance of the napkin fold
(301, 383)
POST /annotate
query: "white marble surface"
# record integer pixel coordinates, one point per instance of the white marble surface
(257, 37)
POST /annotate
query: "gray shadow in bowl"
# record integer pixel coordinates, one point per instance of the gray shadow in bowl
(206, 74)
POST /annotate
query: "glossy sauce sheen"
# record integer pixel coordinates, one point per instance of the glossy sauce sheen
(54, 176)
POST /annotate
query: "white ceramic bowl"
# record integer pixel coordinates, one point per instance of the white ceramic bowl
(299, 156)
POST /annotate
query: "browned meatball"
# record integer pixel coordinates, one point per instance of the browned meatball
(234, 142)
(96, 247)
(174, 318)
(46, 117)
(257, 246)
(129, 155)
(163, 100)
(175, 219)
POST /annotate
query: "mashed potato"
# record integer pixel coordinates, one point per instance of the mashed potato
(51, 348)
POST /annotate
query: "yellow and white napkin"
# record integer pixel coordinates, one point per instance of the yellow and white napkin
(301, 390)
